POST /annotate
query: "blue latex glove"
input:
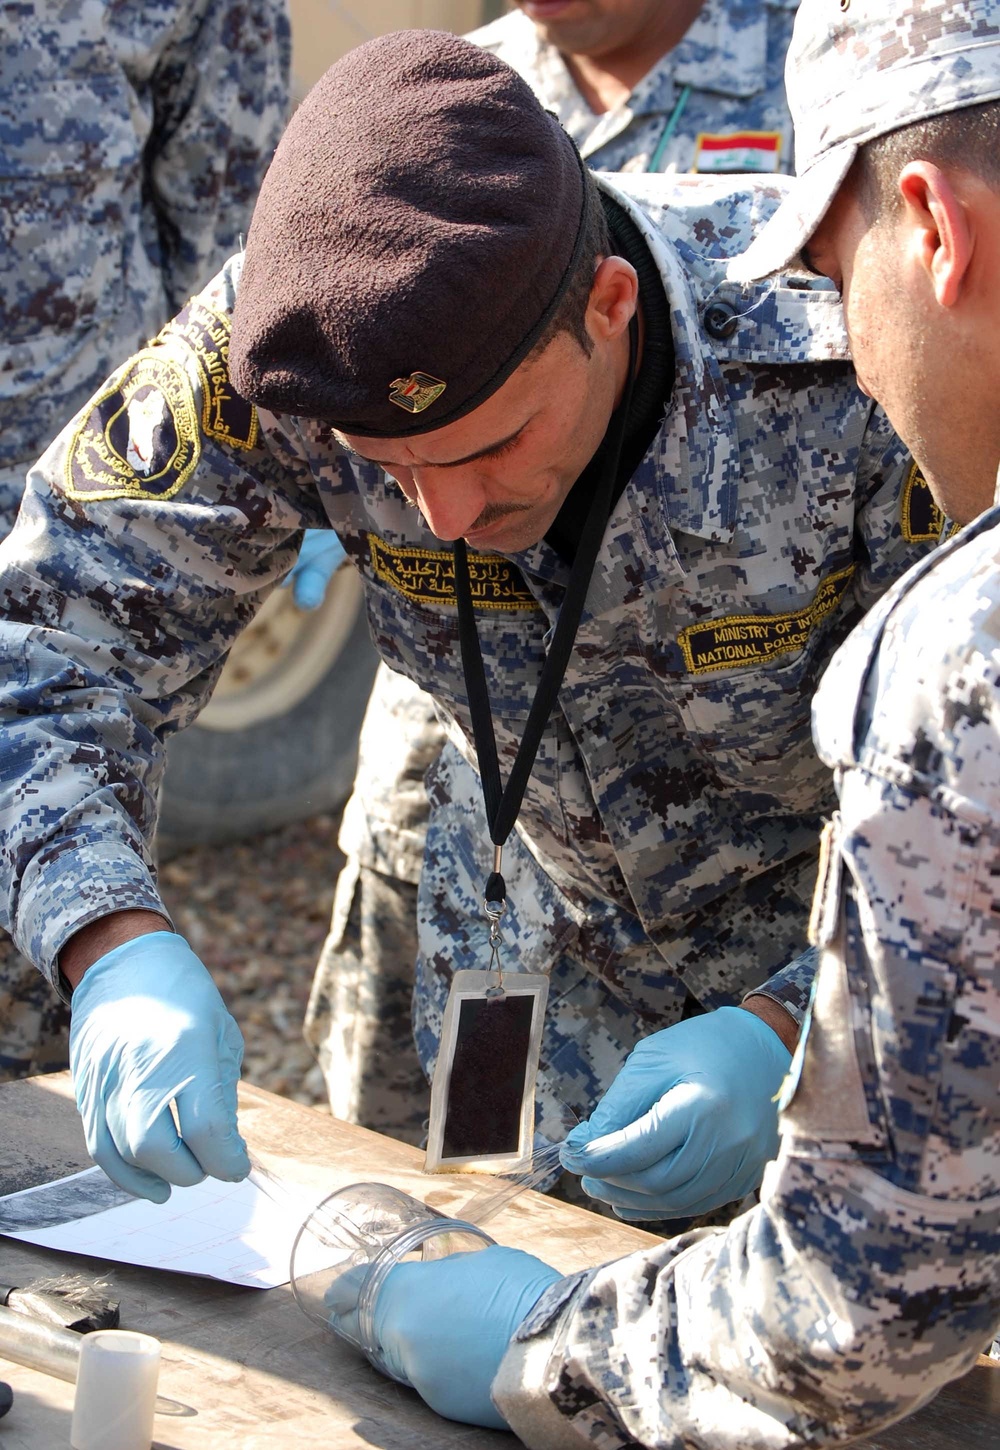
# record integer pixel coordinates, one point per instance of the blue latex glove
(444, 1326)
(320, 557)
(689, 1123)
(149, 1028)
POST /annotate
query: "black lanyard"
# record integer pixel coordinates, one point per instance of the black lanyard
(504, 802)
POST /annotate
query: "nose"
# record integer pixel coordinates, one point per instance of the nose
(450, 502)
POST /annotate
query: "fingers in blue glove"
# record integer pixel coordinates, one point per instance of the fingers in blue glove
(320, 557)
(690, 1121)
(150, 1029)
(444, 1326)
(341, 1301)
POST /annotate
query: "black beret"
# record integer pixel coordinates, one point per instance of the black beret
(412, 239)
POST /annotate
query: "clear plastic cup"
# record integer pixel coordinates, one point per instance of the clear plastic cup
(348, 1244)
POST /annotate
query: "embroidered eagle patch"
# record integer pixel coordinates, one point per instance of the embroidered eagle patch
(140, 438)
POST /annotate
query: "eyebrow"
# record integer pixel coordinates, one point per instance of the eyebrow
(486, 452)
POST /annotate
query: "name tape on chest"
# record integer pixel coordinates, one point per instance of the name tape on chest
(744, 640)
(737, 151)
(427, 576)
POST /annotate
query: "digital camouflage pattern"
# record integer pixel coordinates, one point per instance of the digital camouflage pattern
(134, 135)
(34, 1022)
(869, 1274)
(359, 1018)
(676, 790)
(715, 103)
(133, 139)
(858, 72)
(732, 58)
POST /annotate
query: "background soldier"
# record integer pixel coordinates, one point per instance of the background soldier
(640, 86)
(135, 137)
(869, 1275)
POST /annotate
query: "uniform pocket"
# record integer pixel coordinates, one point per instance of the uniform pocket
(823, 1097)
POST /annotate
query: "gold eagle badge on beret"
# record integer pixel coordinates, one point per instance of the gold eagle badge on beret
(415, 392)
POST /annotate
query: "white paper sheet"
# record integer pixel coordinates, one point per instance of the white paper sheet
(241, 1233)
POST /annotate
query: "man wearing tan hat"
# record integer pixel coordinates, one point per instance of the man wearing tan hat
(869, 1274)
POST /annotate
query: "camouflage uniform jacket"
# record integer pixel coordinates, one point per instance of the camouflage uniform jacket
(677, 773)
(134, 135)
(869, 1275)
(716, 102)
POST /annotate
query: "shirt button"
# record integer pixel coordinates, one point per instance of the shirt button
(721, 320)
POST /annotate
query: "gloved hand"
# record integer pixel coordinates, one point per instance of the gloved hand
(320, 557)
(444, 1326)
(149, 1027)
(690, 1121)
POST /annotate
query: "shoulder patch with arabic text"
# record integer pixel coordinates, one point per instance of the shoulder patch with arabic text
(225, 416)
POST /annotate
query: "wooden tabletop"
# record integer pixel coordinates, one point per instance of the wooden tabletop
(259, 1374)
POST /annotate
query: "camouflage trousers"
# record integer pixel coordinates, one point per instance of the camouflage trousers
(34, 1022)
(358, 1021)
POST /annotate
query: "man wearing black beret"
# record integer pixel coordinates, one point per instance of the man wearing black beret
(693, 85)
(611, 511)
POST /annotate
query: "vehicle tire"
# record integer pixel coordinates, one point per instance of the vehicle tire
(278, 740)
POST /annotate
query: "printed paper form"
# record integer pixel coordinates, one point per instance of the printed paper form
(241, 1233)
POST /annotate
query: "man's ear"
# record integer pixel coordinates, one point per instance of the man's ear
(614, 297)
(940, 227)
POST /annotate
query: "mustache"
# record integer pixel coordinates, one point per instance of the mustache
(494, 512)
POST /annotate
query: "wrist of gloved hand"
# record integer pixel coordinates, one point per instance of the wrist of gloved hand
(444, 1326)
(689, 1123)
(148, 1029)
(320, 557)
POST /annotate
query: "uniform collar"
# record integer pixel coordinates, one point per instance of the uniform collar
(688, 480)
(725, 49)
(724, 52)
(693, 463)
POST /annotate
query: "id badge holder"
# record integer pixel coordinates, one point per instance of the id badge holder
(483, 1093)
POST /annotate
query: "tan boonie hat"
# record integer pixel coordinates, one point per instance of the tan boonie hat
(855, 70)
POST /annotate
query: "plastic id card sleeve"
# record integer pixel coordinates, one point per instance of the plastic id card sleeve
(483, 1093)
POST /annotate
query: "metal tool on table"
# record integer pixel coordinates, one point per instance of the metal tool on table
(70, 1301)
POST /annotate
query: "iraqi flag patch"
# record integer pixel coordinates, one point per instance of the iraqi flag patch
(737, 151)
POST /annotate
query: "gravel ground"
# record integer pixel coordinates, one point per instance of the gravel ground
(256, 913)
